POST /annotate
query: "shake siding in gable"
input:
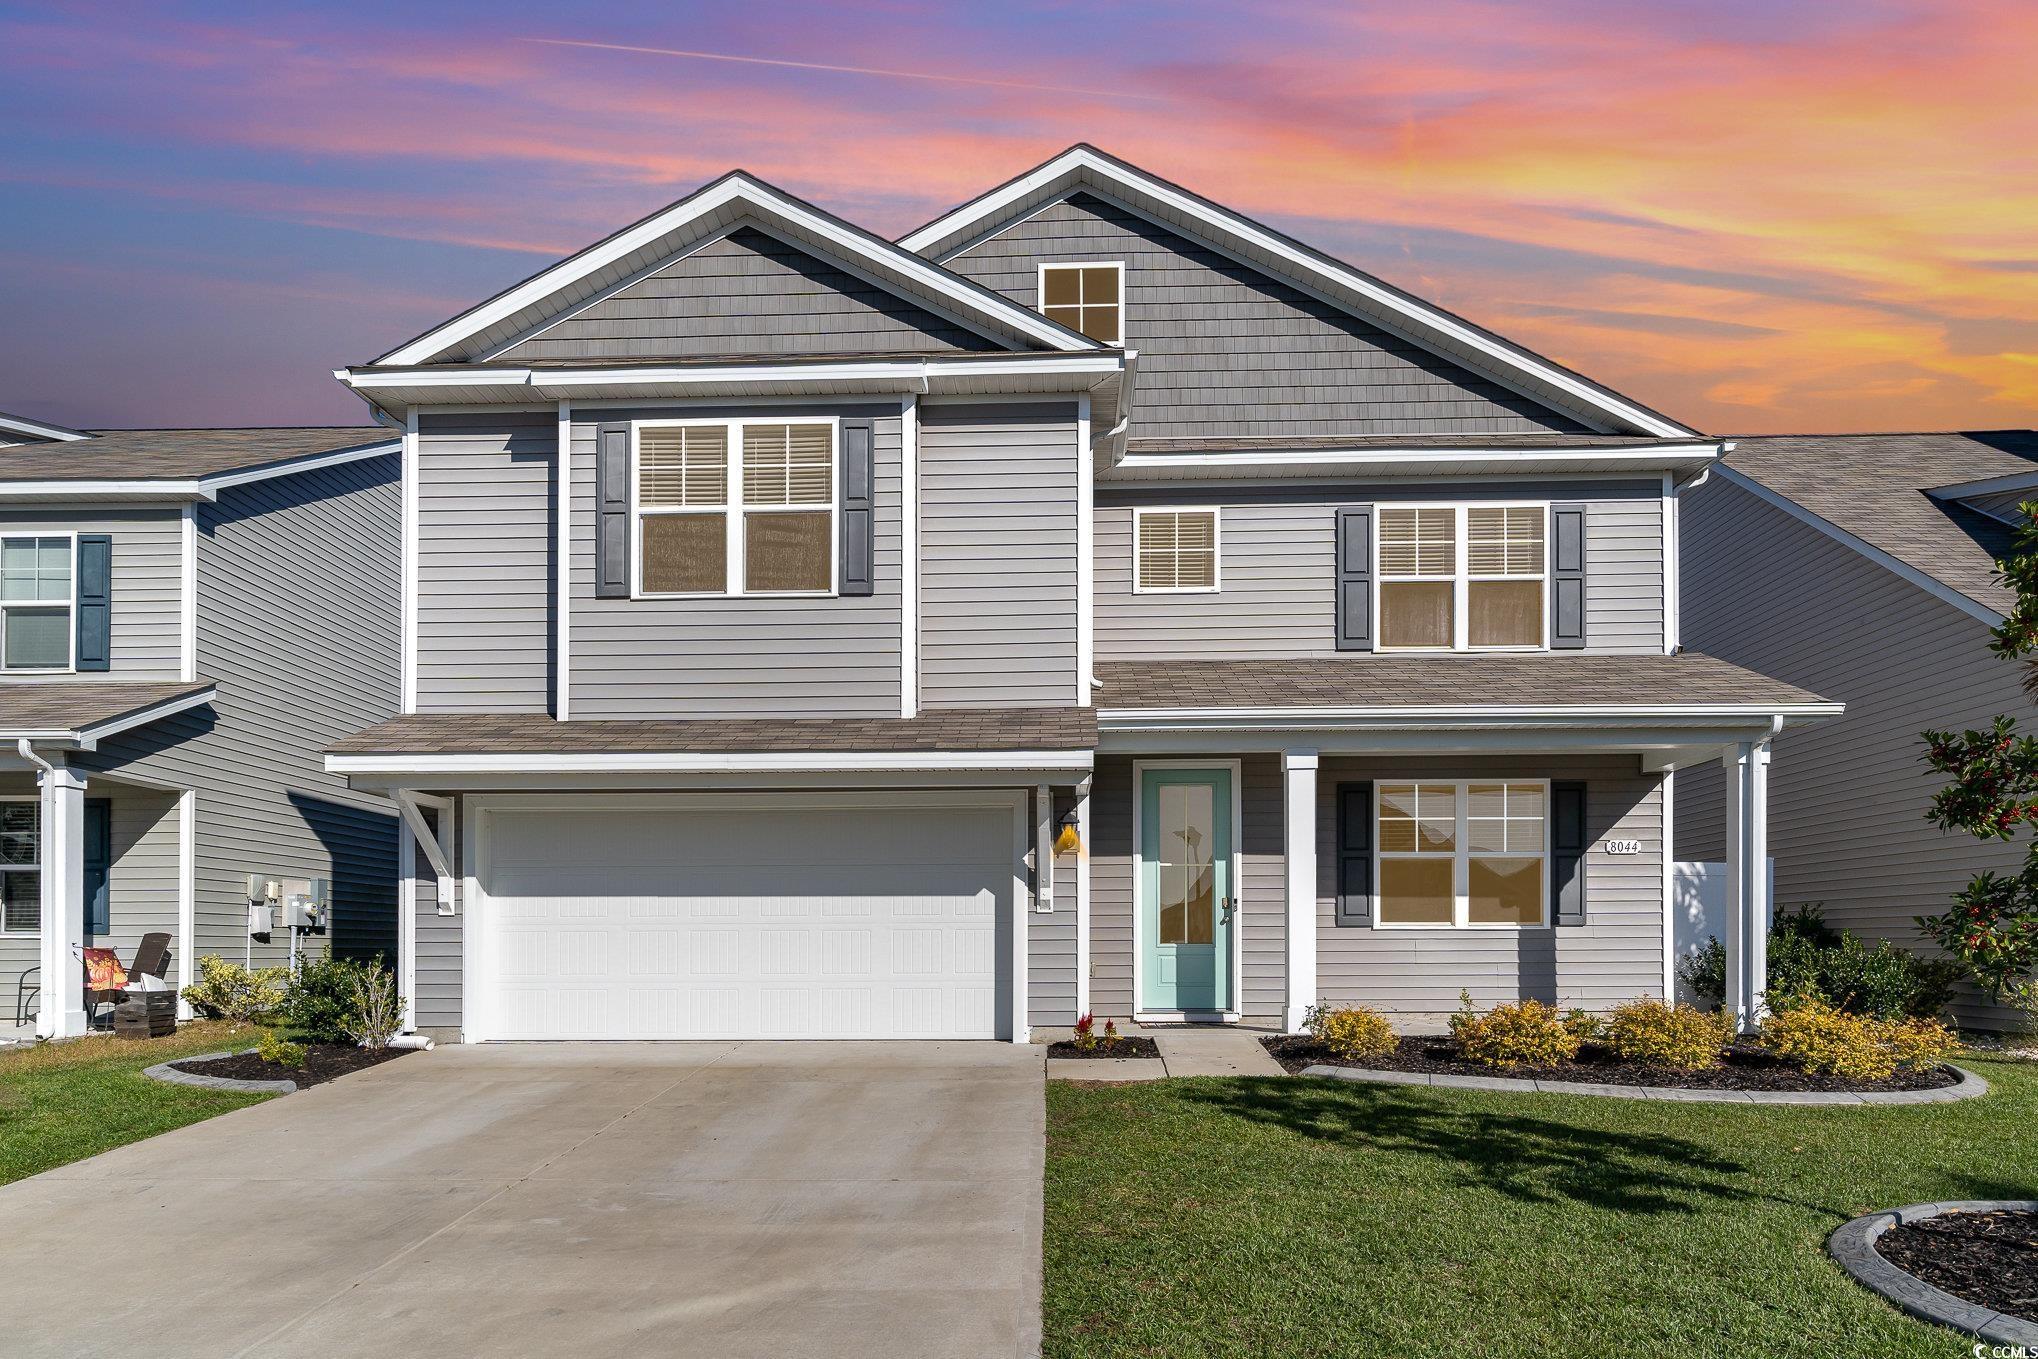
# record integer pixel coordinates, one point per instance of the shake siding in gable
(148, 580)
(787, 657)
(1847, 798)
(484, 626)
(998, 510)
(1277, 570)
(748, 294)
(1225, 350)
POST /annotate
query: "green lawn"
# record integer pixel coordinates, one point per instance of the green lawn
(1271, 1217)
(61, 1102)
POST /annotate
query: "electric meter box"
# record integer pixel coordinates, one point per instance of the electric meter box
(293, 903)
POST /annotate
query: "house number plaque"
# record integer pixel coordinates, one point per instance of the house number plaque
(1624, 847)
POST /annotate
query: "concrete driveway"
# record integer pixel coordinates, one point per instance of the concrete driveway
(724, 1199)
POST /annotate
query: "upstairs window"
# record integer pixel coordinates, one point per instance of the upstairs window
(1175, 551)
(36, 603)
(1087, 298)
(1462, 577)
(732, 507)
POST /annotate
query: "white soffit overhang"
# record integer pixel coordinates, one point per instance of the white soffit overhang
(1682, 461)
(1085, 167)
(645, 246)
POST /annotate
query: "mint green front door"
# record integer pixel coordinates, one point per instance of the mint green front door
(1186, 896)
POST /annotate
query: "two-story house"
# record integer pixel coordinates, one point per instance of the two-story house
(1095, 601)
(187, 618)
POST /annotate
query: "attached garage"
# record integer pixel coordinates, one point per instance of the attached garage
(744, 916)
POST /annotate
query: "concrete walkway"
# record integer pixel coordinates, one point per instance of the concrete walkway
(1186, 1050)
(725, 1199)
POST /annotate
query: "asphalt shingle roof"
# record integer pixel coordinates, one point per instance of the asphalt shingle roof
(178, 454)
(73, 705)
(959, 729)
(1875, 486)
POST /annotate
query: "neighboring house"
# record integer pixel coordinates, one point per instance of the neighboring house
(776, 596)
(187, 617)
(1863, 566)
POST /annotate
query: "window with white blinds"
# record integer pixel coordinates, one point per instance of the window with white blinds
(1462, 577)
(732, 507)
(1176, 551)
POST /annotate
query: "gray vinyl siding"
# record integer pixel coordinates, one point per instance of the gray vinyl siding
(789, 657)
(1051, 940)
(998, 511)
(484, 562)
(747, 294)
(1414, 975)
(148, 580)
(1277, 560)
(1228, 351)
(439, 942)
(1262, 888)
(298, 595)
(1847, 798)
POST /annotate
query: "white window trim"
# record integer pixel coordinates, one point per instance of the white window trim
(1118, 266)
(1461, 859)
(1216, 513)
(1461, 576)
(70, 665)
(734, 510)
(41, 906)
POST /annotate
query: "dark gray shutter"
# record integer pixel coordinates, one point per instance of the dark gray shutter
(1567, 576)
(858, 575)
(612, 510)
(95, 601)
(1567, 851)
(1355, 578)
(1355, 854)
(98, 866)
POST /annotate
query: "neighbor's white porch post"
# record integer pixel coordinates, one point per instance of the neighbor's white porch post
(1298, 785)
(1747, 941)
(63, 903)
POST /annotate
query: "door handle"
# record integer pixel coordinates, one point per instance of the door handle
(1230, 908)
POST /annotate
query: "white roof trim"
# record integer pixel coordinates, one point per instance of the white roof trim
(1084, 160)
(186, 488)
(1441, 460)
(597, 762)
(89, 735)
(1458, 716)
(36, 429)
(1931, 585)
(2014, 481)
(851, 370)
(736, 188)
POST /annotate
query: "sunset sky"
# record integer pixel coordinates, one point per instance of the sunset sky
(1755, 216)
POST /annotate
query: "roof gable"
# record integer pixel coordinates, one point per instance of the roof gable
(1255, 244)
(487, 330)
(746, 292)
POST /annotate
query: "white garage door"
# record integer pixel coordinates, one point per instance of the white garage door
(632, 919)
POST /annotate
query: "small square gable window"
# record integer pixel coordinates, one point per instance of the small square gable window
(1087, 298)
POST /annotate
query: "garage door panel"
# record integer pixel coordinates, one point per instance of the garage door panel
(601, 925)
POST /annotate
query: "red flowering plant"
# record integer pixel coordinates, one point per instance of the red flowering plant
(1992, 928)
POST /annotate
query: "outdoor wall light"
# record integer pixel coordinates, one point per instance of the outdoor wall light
(1067, 842)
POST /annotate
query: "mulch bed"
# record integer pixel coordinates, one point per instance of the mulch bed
(1127, 1046)
(322, 1062)
(1990, 1259)
(1746, 1068)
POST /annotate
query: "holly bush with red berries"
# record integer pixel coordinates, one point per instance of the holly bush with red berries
(1992, 928)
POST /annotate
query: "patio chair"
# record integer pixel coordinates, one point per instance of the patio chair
(105, 979)
(151, 957)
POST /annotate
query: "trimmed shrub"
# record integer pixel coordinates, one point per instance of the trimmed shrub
(1809, 960)
(321, 1003)
(1680, 1037)
(1352, 1031)
(1830, 1042)
(1584, 1024)
(1529, 1033)
(273, 1047)
(226, 990)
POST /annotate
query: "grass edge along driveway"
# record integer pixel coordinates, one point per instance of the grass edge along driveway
(62, 1102)
(1306, 1217)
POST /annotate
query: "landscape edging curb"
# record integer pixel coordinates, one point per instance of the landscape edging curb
(1852, 1246)
(164, 1071)
(1969, 1086)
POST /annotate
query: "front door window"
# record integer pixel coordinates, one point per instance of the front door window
(1186, 895)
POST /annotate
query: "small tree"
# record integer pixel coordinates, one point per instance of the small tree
(1992, 928)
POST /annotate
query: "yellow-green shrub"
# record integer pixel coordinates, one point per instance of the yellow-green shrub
(1677, 1036)
(1584, 1024)
(227, 990)
(1353, 1031)
(1529, 1033)
(273, 1047)
(1830, 1042)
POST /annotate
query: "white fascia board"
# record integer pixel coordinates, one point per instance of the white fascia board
(2014, 481)
(1441, 460)
(1931, 585)
(679, 763)
(1624, 716)
(36, 429)
(913, 374)
(1083, 160)
(736, 189)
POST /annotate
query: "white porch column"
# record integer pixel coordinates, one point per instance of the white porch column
(1298, 788)
(63, 903)
(1747, 937)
